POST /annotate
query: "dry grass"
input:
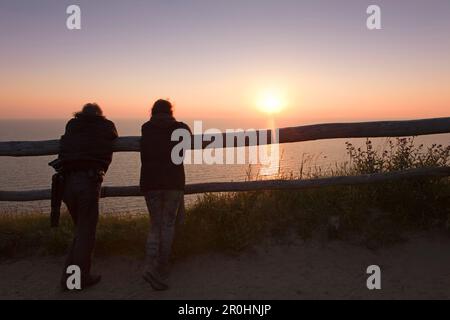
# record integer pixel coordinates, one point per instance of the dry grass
(374, 215)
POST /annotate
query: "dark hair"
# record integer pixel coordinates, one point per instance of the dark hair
(162, 106)
(90, 109)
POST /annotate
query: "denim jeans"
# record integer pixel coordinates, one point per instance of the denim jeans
(163, 206)
(81, 196)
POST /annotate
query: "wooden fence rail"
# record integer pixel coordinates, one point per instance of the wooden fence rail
(286, 135)
(133, 191)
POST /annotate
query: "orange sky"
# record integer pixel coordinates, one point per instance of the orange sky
(327, 69)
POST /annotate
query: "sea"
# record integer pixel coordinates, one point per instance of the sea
(30, 173)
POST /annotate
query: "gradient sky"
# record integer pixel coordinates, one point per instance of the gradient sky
(213, 58)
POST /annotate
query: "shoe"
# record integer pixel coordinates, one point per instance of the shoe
(90, 281)
(155, 280)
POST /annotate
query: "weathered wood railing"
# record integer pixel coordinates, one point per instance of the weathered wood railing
(286, 135)
(134, 191)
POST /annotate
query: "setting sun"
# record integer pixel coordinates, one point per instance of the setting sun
(271, 102)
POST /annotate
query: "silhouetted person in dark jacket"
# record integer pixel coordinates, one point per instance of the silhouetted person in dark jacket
(162, 182)
(85, 153)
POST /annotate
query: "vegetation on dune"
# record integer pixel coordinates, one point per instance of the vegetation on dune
(373, 215)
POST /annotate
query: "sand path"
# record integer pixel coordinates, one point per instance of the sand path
(418, 268)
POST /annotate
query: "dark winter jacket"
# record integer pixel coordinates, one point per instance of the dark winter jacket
(158, 172)
(87, 143)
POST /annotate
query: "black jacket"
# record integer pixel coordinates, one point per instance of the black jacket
(87, 143)
(158, 172)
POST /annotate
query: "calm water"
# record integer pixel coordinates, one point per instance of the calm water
(34, 173)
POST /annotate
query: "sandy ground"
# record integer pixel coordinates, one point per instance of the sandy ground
(418, 268)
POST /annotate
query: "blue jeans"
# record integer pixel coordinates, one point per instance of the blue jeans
(163, 206)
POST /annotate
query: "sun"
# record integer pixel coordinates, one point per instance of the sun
(270, 102)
